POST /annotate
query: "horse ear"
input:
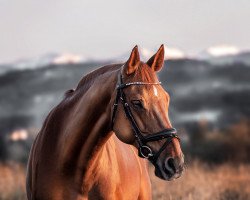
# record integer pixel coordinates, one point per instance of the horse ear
(133, 62)
(156, 62)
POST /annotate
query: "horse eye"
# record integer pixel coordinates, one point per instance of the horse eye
(137, 104)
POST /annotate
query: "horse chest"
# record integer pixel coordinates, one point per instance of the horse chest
(116, 175)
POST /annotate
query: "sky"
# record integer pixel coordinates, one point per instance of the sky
(106, 29)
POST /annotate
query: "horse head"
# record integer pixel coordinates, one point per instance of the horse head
(141, 115)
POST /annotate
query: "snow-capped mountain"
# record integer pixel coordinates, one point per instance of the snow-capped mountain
(35, 62)
(68, 58)
(42, 61)
(219, 51)
(224, 55)
(216, 55)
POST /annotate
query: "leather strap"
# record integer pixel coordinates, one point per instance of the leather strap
(142, 141)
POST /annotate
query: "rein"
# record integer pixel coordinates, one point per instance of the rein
(145, 150)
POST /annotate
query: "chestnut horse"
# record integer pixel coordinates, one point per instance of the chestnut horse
(88, 145)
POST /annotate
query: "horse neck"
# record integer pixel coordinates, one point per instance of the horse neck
(89, 126)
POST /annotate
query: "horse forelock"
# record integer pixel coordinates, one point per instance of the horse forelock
(144, 73)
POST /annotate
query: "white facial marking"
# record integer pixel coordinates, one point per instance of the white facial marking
(155, 91)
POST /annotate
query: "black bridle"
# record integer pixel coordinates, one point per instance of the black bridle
(144, 150)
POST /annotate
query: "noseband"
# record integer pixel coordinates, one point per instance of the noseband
(144, 150)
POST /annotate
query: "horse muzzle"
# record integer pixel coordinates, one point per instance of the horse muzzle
(171, 168)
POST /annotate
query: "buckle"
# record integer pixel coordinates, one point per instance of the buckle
(145, 151)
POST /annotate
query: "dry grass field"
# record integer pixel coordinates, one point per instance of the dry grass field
(199, 182)
(12, 182)
(203, 182)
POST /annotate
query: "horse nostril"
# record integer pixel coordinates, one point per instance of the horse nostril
(170, 165)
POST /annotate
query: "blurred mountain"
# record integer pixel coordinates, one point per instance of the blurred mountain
(243, 57)
(218, 55)
(42, 61)
(199, 90)
(224, 55)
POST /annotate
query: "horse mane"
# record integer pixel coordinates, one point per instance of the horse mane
(68, 92)
(144, 74)
(88, 79)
